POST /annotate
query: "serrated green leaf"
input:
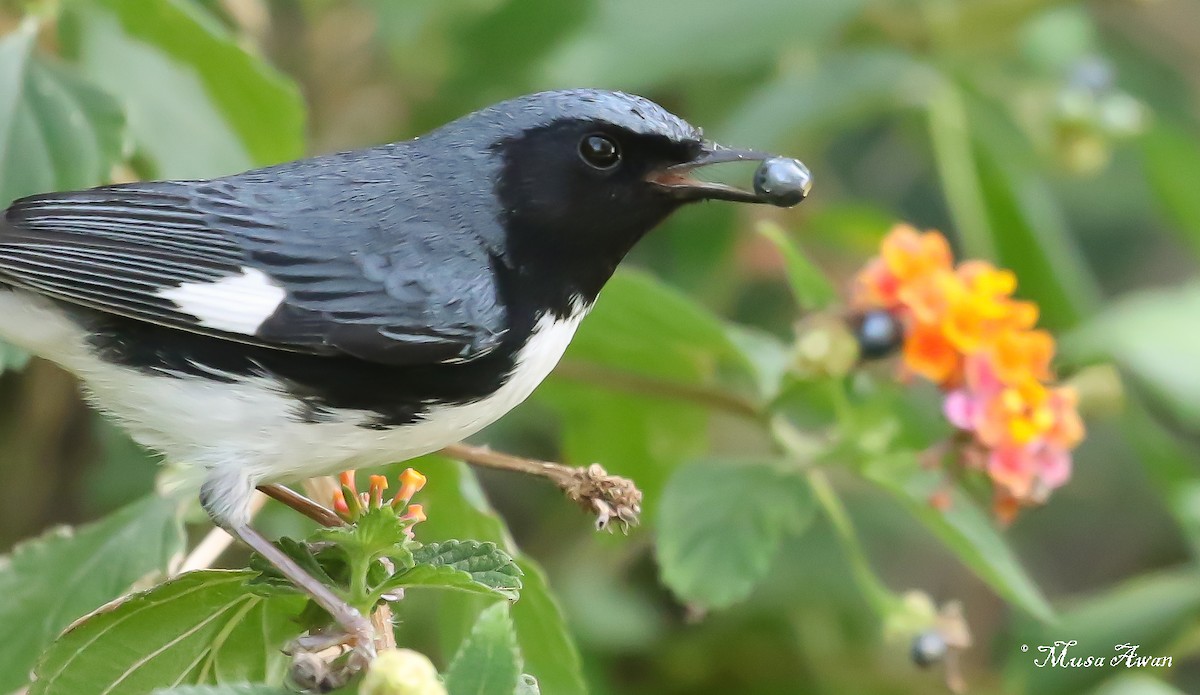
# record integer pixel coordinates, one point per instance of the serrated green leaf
(488, 662)
(177, 70)
(720, 524)
(444, 577)
(270, 578)
(199, 628)
(963, 528)
(546, 642)
(812, 289)
(57, 130)
(463, 565)
(50, 581)
(457, 507)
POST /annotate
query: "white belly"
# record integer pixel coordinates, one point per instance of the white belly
(247, 431)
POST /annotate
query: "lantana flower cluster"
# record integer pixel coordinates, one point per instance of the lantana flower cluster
(964, 331)
(350, 504)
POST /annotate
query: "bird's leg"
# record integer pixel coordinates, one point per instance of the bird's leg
(302, 504)
(357, 627)
(226, 496)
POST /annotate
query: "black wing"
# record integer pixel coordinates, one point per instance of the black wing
(279, 267)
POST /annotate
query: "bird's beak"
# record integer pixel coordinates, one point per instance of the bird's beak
(677, 179)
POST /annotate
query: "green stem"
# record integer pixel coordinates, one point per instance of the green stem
(360, 594)
(843, 410)
(882, 600)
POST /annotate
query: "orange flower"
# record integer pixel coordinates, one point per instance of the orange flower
(927, 297)
(1018, 356)
(411, 483)
(909, 254)
(928, 353)
(981, 277)
(876, 286)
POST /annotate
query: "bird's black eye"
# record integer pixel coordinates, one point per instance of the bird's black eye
(599, 151)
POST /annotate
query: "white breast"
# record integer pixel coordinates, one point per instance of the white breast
(248, 430)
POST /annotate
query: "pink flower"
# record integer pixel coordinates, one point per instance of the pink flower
(962, 409)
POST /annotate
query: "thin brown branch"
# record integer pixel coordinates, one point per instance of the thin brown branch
(607, 496)
(617, 380)
(302, 504)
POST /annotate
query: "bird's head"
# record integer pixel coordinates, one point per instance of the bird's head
(583, 174)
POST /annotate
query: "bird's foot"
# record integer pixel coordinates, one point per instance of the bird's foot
(327, 660)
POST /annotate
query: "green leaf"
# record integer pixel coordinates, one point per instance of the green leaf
(640, 437)
(488, 662)
(200, 628)
(1028, 226)
(639, 44)
(463, 565)
(50, 581)
(963, 528)
(57, 130)
(226, 689)
(198, 104)
(1137, 684)
(642, 326)
(634, 390)
(550, 652)
(721, 523)
(844, 87)
(812, 289)
(270, 578)
(1151, 611)
(1172, 156)
(1145, 335)
(457, 507)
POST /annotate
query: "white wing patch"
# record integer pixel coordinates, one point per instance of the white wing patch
(237, 304)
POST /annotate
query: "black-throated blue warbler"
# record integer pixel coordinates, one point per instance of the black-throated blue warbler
(352, 309)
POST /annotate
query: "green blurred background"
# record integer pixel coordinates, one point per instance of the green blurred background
(1059, 139)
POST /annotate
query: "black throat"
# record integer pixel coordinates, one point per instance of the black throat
(566, 228)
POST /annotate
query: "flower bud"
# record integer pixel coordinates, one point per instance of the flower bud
(411, 482)
(824, 347)
(401, 672)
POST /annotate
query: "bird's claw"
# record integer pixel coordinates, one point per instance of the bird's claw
(327, 660)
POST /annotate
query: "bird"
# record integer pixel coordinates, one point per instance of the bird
(350, 309)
